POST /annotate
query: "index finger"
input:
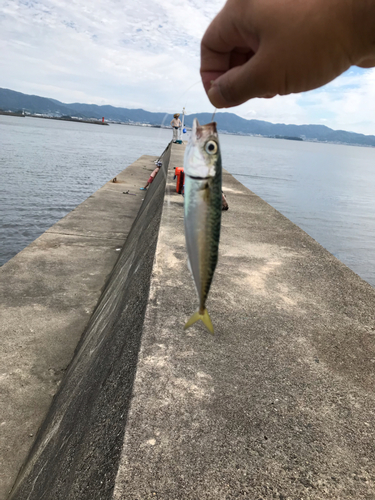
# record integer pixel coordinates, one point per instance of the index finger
(223, 47)
(215, 50)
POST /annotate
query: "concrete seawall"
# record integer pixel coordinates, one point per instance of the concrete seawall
(48, 293)
(279, 404)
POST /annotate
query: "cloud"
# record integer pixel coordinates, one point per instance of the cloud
(127, 53)
(347, 103)
(286, 109)
(145, 53)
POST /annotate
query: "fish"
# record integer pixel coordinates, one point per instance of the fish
(202, 212)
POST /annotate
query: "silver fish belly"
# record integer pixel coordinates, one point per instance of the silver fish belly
(203, 207)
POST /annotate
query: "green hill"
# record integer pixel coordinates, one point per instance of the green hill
(227, 122)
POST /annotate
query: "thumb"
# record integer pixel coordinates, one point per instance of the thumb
(255, 78)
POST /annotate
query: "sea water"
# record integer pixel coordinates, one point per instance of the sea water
(48, 167)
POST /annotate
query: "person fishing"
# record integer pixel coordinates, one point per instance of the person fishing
(263, 48)
(176, 124)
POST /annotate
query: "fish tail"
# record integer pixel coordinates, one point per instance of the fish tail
(205, 318)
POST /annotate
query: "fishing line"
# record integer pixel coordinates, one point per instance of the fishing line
(178, 99)
(213, 116)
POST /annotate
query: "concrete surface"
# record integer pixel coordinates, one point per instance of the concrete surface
(279, 404)
(48, 293)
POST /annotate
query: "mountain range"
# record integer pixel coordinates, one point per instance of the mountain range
(11, 100)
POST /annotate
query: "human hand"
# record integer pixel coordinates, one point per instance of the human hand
(261, 48)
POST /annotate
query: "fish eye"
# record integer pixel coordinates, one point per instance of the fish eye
(211, 147)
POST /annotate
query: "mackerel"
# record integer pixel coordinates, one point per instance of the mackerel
(203, 206)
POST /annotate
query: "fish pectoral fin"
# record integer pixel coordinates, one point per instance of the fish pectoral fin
(205, 318)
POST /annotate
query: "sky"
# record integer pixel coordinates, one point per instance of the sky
(145, 54)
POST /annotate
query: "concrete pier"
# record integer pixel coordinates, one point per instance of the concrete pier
(279, 404)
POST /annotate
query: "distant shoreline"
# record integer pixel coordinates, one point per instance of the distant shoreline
(149, 125)
(68, 119)
(11, 113)
(38, 106)
(60, 118)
